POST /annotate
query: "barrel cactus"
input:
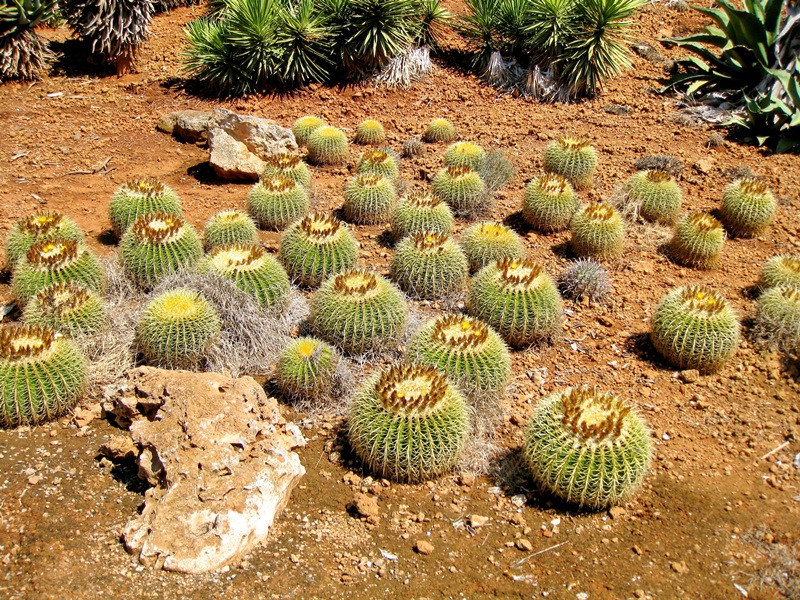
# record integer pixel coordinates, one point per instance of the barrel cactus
(573, 158)
(370, 133)
(158, 245)
(358, 311)
(585, 278)
(467, 350)
(462, 188)
(253, 271)
(229, 227)
(42, 375)
(328, 146)
(369, 199)
(378, 162)
(419, 212)
(409, 423)
(748, 207)
(71, 308)
(518, 299)
(141, 197)
(778, 318)
(549, 202)
(697, 241)
(36, 227)
(440, 130)
(464, 153)
(597, 231)
(177, 327)
(429, 265)
(655, 195)
(587, 447)
(277, 201)
(287, 165)
(486, 242)
(306, 369)
(56, 261)
(694, 327)
(412, 147)
(781, 270)
(316, 247)
(303, 127)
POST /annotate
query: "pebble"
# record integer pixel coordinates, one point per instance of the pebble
(424, 547)
(364, 505)
(689, 376)
(525, 545)
(478, 521)
(616, 512)
(679, 567)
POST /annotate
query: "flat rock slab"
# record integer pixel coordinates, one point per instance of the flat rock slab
(220, 459)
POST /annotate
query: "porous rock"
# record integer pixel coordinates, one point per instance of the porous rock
(220, 459)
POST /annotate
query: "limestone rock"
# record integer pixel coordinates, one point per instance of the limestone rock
(191, 125)
(220, 458)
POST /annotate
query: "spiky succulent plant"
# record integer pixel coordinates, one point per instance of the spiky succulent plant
(597, 231)
(370, 133)
(229, 227)
(429, 265)
(328, 146)
(412, 147)
(462, 188)
(276, 201)
(697, 241)
(157, 245)
(71, 308)
(38, 226)
(252, 270)
(587, 447)
(408, 423)
(573, 158)
(518, 299)
(654, 195)
(418, 212)
(486, 242)
(694, 327)
(303, 127)
(378, 162)
(585, 278)
(177, 327)
(778, 318)
(140, 197)
(783, 270)
(748, 207)
(42, 375)
(306, 369)
(56, 261)
(23, 53)
(440, 130)
(464, 153)
(316, 247)
(468, 350)
(358, 311)
(549, 202)
(287, 165)
(369, 199)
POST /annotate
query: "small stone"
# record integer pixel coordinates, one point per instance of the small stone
(525, 545)
(704, 165)
(423, 547)
(364, 505)
(34, 480)
(466, 478)
(689, 376)
(616, 512)
(637, 550)
(679, 567)
(476, 521)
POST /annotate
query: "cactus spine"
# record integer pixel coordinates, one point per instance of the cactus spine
(36, 227)
(598, 231)
(429, 265)
(462, 188)
(586, 278)
(229, 227)
(778, 318)
(697, 241)
(486, 242)
(306, 369)
(781, 270)
(277, 201)
(440, 130)
(69, 307)
(328, 146)
(656, 195)
(141, 197)
(549, 202)
(303, 127)
(370, 133)
(419, 212)
(573, 158)
(378, 162)
(747, 208)
(287, 165)
(369, 199)
(466, 154)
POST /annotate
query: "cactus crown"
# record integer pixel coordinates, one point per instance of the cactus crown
(148, 186)
(600, 212)
(369, 179)
(53, 254)
(459, 171)
(592, 415)
(278, 183)
(238, 257)
(19, 342)
(61, 298)
(356, 283)
(752, 186)
(320, 227)
(411, 390)
(790, 263)
(157, 227)
(328, 132)
(516, 272)
(702, 301)
(460, 332)
(429, 240)
(791, 295)
(375, 157)
(180, 304)
(704, 221)
(307, 347)
(553, 184)
(423, 200)
(572, 144)
(40, 223)
(231, 216)
(284, 160)
(492, 231)
(657, 176)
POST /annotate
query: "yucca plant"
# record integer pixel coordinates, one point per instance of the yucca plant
(303, 36)
(23, 54)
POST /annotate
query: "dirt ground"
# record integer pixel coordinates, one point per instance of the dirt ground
(719, 514)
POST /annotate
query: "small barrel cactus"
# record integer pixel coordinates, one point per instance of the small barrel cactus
(253, 271)
(36, 227)
(141, 197)
(466, 154)
(409, 423)
(358, 311)
(56, 261)
(328, 146)
(462, 188)
(486, 242)
(287, 165)
(378, 162)
(781, 270)
(229, 227)
(316, 247)
(419, 212)
(412, 147)
(42, 375)
(655, 194)
(778, 318)
(277, 201)
(369, 199)
(587, 447)
(585, 278)
(597, 231)
(549, 202)
(306, 369)
(158, 245)
(697, 241)
(303, 127)
(440, 130)
(467, 350)
(748, 207)
(177, 327)
(429, 265)
(694, 327)
(518, 299)
(573, 158)
(370, 133)
(71, 308)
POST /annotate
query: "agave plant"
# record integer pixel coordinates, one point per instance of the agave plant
(304, 38)
(23, 54)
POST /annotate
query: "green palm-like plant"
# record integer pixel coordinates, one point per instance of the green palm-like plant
(304, 37)
(479, 26)
(435, 19)
(379, 30)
